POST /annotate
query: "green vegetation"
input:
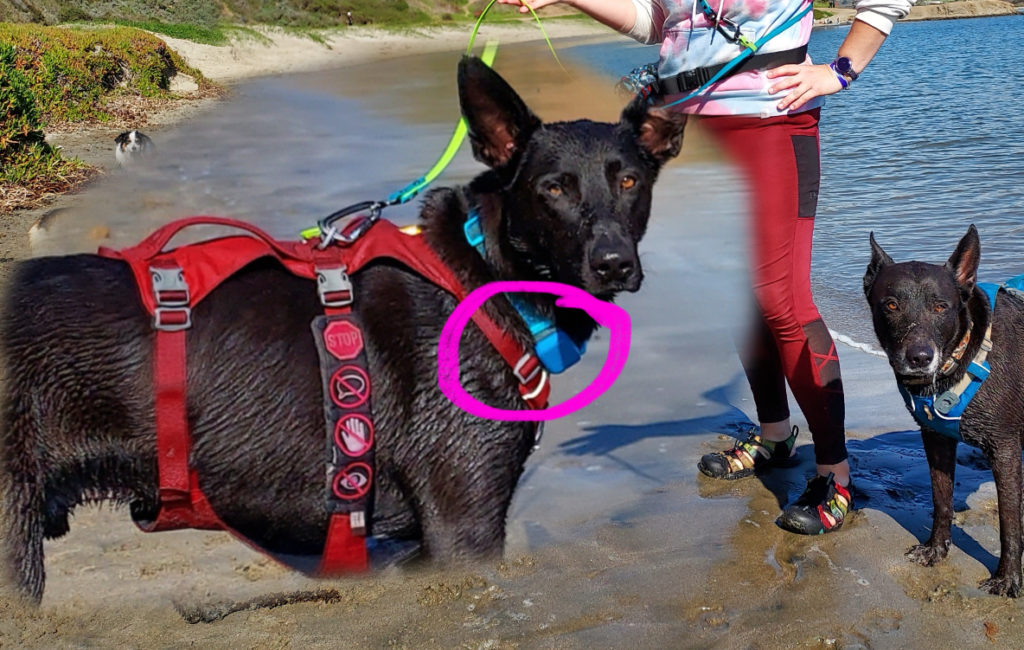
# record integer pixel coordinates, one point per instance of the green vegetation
(72, 72)
(189, 18)
(28, 165)
(53, 75)
(208, 34)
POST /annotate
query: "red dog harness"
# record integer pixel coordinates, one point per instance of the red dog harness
(172, 282)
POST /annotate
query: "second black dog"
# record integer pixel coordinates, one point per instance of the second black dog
(931, 320)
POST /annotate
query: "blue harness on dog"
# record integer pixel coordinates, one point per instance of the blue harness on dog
(942, 413)
(555, 349)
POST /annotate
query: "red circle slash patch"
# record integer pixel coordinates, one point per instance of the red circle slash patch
(352, 481)
(354, 435)
(343, 339)
(350, 387)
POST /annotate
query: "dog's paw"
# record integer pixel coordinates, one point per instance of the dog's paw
(928, 554)
(999, 585)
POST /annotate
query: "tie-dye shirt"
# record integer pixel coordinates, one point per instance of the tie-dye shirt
(689, 40)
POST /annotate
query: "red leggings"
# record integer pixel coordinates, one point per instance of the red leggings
(789, 343)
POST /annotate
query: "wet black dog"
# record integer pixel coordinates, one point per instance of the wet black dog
(921, 314)
(564, 202)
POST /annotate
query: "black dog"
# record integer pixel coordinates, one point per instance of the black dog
(564, 202)
(922, 313)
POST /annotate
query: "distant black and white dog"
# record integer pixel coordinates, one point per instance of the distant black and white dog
(132, 147)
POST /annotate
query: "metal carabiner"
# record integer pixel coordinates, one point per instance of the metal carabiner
(353, 229)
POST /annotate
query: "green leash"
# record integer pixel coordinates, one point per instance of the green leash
(324, 226)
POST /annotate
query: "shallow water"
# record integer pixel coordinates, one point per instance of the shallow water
(618, 538)
(929, 140)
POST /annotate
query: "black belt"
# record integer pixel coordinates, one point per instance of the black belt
(691, 79)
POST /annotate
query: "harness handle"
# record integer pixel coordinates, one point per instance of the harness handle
(154, 244)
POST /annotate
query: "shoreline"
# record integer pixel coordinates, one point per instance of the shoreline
(280, 51)
(288, 52)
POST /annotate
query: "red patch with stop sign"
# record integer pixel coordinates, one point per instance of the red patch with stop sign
(343, 340)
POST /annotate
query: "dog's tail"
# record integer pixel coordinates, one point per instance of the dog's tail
(21, 495)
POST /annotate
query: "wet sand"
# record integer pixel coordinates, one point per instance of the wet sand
(613, 537)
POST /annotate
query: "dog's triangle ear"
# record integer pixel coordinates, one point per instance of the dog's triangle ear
(879, 259)
(964, 261)
(499, 122)
(658, 131)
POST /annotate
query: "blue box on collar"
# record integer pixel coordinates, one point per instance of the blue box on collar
(557, 350)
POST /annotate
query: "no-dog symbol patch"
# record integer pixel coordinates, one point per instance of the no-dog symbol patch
(354, 435)
(343, 339)
(350, 387)
(352, 481)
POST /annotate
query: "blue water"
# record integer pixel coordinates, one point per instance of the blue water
(929, 140)
(926, 142)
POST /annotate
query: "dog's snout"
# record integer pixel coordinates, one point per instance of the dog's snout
(920, 357)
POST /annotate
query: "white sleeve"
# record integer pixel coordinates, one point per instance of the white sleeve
(650, 16)
(882, 14)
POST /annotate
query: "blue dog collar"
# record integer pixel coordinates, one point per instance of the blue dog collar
(942, 413)
(555, 349)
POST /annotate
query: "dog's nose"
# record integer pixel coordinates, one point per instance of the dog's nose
(613, 266)
(920, 356)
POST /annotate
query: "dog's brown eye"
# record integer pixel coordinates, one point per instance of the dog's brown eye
(627, 182)
(939, 307)
(892, 305)
(554, 190)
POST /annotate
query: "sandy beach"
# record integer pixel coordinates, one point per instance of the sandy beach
(614, 539)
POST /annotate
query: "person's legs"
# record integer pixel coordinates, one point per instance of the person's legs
(761, 363)
(779, 160)
(773, 444)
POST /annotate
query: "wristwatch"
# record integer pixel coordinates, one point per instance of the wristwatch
(844, 68)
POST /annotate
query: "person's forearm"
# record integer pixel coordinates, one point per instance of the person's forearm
(861, 44)
(873, 22)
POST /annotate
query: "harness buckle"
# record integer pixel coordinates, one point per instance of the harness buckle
(171, 294)
(474, 233)
(169, 286)
(334, 286)
(527, 368)
(945, 402)
(172, 319)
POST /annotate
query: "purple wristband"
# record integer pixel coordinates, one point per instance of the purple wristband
(842, 80)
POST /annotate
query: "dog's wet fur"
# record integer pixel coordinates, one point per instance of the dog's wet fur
(565, 202)
(921, 313)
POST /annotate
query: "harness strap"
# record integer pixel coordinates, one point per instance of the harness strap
(977, 372)
(688, 80)
(344, 551)
(161, 281)
(748, 50)
(345, 548)
(172, 439)
(181, 502)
